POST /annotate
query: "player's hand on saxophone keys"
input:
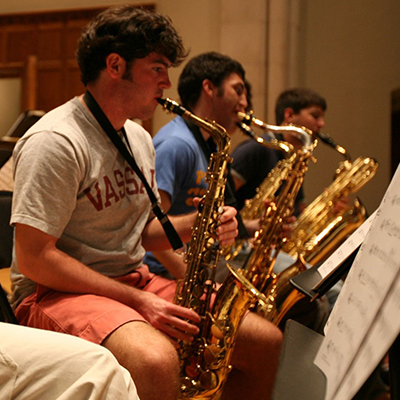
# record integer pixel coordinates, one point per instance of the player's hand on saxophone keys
(175, 321)
(227, 231)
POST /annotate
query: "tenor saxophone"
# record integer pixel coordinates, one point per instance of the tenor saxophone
(258, 267)
(269, 240)
(205, 362)
(254, 207)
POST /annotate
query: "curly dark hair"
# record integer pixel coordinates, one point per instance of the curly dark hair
(297, 99)
(213, 66)
(130, 32)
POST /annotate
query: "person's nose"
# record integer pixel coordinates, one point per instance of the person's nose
(243, 102)
(165, 82)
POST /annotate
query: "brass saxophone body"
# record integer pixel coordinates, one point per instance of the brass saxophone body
(320, 229)
(317, 233)
(254, 207)
(205, 362)
(269, 239)
(280, 295)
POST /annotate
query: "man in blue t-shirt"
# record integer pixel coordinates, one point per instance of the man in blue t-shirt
(212, 86)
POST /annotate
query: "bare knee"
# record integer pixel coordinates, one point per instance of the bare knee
(150, 358)
(158, 359)
(254, 360)
(258, 340)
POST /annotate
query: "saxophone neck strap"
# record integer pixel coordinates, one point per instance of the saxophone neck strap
(106, 125)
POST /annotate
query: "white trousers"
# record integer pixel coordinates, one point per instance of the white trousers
(42, 365)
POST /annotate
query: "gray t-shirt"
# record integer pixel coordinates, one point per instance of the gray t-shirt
(72, 183)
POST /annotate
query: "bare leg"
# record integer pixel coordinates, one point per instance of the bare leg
(255, 360)
(150, 358)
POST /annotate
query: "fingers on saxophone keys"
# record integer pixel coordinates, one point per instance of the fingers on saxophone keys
(180, 329)
(177, 334)
(228, 213)
(227, 230)
(227, 238)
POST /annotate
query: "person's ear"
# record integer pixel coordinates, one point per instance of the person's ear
(288, 115)
(208, 88)
(115, 65)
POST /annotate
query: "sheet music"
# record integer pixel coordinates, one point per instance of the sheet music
(369, 298)
(345, 249)
(384, 330)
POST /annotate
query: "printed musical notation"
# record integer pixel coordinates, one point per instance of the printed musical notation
(365, 320)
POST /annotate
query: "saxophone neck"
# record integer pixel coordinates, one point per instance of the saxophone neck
(304, 134)
(327, 139)
(274, 143)
(217, 132)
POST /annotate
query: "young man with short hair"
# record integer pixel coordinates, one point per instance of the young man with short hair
(212, 86)
(252, 162)
(83, 218)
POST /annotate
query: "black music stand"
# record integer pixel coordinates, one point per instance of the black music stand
(298, 377)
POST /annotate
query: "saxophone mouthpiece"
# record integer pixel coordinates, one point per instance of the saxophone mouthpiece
(172, 106)
(245, 117)
(246, 129)
(327, 139)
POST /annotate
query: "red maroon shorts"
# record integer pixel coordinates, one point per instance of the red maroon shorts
(88, 316)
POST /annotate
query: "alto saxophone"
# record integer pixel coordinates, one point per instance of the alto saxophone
(254, 207)
(205, 362)
(258, 267)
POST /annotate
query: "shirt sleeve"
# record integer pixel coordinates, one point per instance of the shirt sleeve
(46, 186)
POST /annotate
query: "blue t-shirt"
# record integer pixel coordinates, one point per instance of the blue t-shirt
(181, 168)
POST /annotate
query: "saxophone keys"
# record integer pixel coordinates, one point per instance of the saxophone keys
(208, 380)
(217, 332)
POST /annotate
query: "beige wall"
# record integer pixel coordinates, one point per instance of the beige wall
(348, 51)
(10, 102)
(351, 54)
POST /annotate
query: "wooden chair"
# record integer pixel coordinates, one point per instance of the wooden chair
(6, 244)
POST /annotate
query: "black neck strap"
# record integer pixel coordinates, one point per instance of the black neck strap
(102, 119)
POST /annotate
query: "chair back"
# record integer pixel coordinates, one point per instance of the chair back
(6, 231)
(6, 245)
